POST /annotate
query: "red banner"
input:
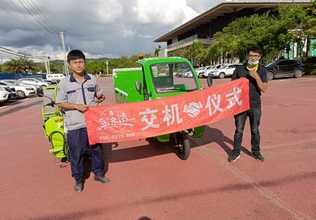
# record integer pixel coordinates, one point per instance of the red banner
(138, 120)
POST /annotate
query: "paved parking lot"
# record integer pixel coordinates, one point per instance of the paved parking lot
(148, 181)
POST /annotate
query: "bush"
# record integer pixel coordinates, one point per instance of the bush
(105, 75)
(310, 68)
(313, 72)
(310, 60)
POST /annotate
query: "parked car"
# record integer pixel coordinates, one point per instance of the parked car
(38, 89)
(55, 77)
(33, 81)
(200, 71)
(212, 68)
(183, 73)
(22, 91)
(50, 82)
(285, 68)
(224, 71)
(4, 95)
(11, 92)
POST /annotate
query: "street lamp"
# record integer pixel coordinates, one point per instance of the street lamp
(107, 67)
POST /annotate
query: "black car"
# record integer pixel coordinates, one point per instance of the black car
(285, 68)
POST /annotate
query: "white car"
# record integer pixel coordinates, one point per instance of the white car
(11, 93)
(55, 76)
(22, 91)
(224, 71)
(211, 68)
(200, 72)
(32, 81)
(4, 95)
(38, 89)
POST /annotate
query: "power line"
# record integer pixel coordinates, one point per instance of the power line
(22, 23)
(6, 50)
(40, 13)
(52, 47)
(52, 33)
(27, 18)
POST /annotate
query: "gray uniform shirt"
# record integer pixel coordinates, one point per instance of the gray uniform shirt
(69, 90)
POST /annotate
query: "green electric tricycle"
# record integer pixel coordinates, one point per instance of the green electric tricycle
(158, 78)
(53, 125)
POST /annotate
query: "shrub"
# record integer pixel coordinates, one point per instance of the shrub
(313, 72)
(310, 68)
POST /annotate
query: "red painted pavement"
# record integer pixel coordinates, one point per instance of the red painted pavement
(148, 181)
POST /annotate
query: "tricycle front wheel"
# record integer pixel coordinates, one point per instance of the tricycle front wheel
(182, 145)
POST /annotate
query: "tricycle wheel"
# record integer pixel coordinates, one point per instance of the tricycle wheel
(182, 145)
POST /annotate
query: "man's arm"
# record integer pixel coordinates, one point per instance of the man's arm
(72, 106)
(62, 100)
(234, 76)
(263, 86)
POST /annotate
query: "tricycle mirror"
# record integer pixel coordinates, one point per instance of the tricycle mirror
(138, 86)
(209, 80)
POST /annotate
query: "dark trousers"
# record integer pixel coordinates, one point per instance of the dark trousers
(254, 115)
(77, 141)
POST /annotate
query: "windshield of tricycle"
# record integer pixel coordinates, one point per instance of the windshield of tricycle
(173, 77)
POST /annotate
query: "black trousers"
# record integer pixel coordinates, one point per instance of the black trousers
(77, 143)
(254, 115)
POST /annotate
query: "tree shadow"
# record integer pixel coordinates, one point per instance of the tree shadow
(21, 107)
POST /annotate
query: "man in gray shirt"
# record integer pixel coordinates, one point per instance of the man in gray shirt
(75, 94)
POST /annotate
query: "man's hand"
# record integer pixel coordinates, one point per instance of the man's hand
(82, 107)
(100, 98)
(253, 74)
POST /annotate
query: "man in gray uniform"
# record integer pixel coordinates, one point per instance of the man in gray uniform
(75, 94)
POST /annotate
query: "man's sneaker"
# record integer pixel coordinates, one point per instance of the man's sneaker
(79, 185)
(233, 157)
(258, 156)
(101, 179)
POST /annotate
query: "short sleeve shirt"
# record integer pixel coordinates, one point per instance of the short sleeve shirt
(254, 91)
(69, 90)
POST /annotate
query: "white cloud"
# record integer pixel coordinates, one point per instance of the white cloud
(110, 28)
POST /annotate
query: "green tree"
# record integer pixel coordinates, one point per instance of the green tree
(195, 52)
(243, 32)
(20, 65)
(212, 53)
(292, 26)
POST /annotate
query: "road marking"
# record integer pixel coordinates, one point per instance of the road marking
(274, 198)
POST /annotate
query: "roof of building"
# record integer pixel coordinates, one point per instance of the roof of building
(228, 6)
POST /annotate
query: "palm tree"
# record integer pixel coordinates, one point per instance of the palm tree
(19, 65)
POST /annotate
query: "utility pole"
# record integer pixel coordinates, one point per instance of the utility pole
(48, 65)
(107, 67)
(62, 35)
(46, 62)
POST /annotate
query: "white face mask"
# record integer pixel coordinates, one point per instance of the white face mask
(253, 63)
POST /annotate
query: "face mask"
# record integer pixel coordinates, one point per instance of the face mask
(253, 63)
